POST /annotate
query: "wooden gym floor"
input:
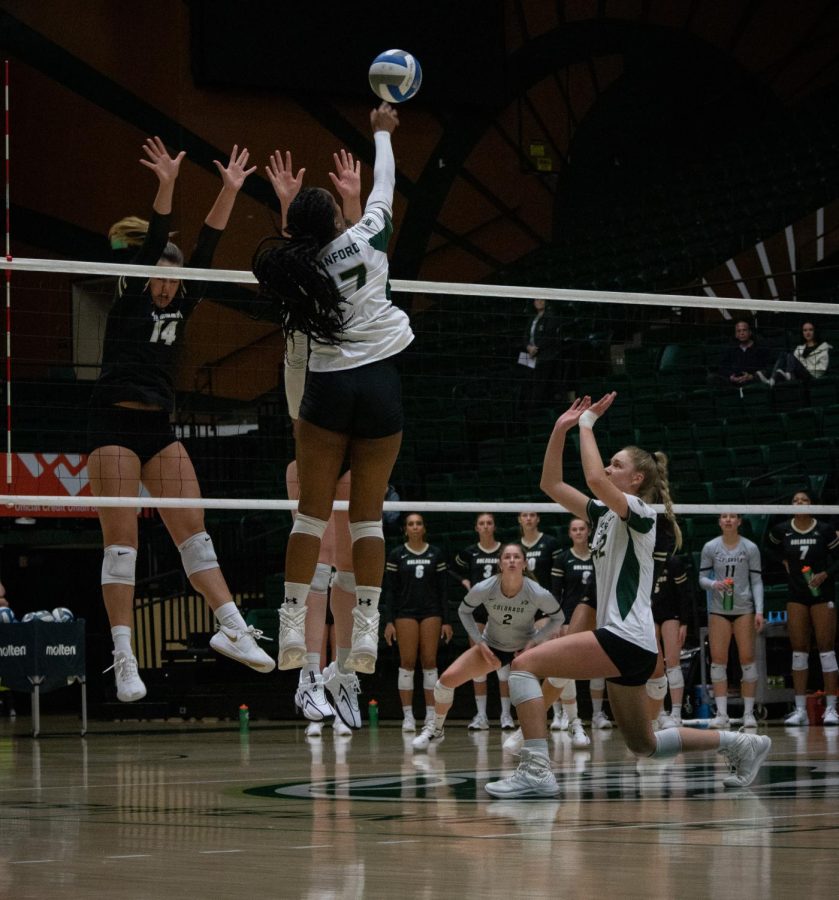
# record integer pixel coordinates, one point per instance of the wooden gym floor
(145, 810)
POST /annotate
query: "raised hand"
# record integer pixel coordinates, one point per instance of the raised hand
(347, 176)
(164, 166)
(384, 118)
(604, 403)
(233, 175)
(571, 416)
(286, 185)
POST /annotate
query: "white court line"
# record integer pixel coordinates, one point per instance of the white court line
(220, 851)
(407, 841)
(26, 862)
(309, 846)
(131, 856)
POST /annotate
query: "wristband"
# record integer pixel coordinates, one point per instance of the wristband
(588, 418)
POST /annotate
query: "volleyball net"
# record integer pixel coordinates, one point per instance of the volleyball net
(478, 412)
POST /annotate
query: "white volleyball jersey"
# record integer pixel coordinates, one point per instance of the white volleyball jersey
(510, 619)
(741, 564)
(622, 551)
(357, 262)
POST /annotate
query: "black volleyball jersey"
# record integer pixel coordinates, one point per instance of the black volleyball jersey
(671, 590)
(572, 580)
(817, 547)
(142, 342)
(540, 558)
(415, 583)
(476, 564)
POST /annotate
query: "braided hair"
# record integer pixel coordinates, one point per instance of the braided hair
(290, 275)
(656, 483)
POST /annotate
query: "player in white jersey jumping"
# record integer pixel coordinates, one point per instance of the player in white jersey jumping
(330, 283)
(512, 601)
(623, 647)
(730, 571)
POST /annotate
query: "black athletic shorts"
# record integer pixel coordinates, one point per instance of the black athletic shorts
(418, 615)
(568, 607)
(665, 609)
(506, 656)
(143, 431)
(634, 663)
(365, 402)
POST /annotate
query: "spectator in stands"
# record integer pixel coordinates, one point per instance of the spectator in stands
(538, 356)
(746, 361)
(803, 543)
(808, 361)
(414, 593)
(130, 436)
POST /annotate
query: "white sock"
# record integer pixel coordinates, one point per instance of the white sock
(481, 703)
(122, 639)
(801, 702)
(748, 706)
(296, 594)
(722, 705)
(506, 705)
(727, 738)
(440, 720)
(367, 599)
(830, 700)
(557, 708)
(676, 711)
(537, 745)
(341, 655)
(229, 616)
(408, 712)
(596, 705)
(312, 664)
(571, 709)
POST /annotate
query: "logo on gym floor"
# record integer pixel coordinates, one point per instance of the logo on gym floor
(646, 779)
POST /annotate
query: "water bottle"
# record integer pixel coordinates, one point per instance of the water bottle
(807, 572)
(728, 594)
(373, 713)
(244, 718)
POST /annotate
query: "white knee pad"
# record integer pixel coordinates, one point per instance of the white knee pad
(118, 564)
(481, 679)
(524, 686)
(569, 692)
(320, 583)
(749, 672)
(558, 683)
(828, 661)
(359, 530)
(800, 661)
(675, 678)
(405, 680)
(597, 684)
(304, 524)
(718, 672)
(668, 743)
(443, 695)
(345, 581)
(503, 673)
(657, 688)
(429, 679)
(198, 553)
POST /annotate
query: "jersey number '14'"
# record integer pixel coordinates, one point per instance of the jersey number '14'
(164, 331)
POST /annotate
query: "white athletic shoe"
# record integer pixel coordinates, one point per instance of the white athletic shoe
(797, 717)
(479, 723)
(831, 716)
(428, 736)
(310, 698)
(409, 723)
(579, 738)
(749, 721)
(532, 778)
(341, 729)
(344, 690)
(560, 722)
(665, 720)
(365, 642)
(745, 756)
(292, 652)
(600, 720)
(314, 730)
(130, 686)
(241, 644)
(720, 722)
(514, 742)
(507, 723)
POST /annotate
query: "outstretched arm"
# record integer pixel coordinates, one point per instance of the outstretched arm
(347, 181)
(384, 120)
(286, 185)
(552, 482)
(166, 168)
(233, 176)
(593, 469)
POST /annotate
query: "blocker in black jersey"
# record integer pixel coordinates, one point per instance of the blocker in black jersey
(415, 584)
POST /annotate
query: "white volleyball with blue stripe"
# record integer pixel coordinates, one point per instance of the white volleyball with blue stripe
(42, 615)
(6, 616)
(395, 76)
(62, 614)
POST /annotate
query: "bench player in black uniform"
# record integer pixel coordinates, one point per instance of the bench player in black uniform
(803, 542)
(477, 563)
(540, 548)
(129, 433)
(414, 592)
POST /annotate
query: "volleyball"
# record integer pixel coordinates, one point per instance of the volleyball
(395, 76)
(62, 614)
(42, 615)
(6, 615)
